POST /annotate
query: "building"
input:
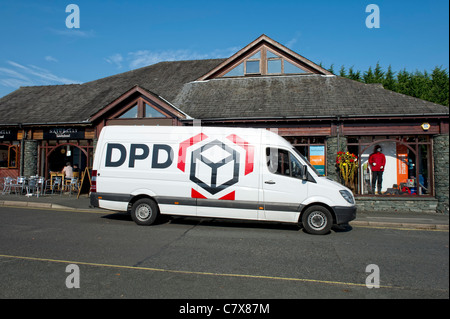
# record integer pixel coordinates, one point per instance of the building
(262, 85)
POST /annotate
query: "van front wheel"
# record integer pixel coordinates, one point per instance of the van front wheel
(144, 211)
(317, 220)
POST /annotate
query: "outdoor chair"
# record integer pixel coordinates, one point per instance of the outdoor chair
(40, 185)
(20, 184)
(32, 187)
(73, 186)
(9, 185)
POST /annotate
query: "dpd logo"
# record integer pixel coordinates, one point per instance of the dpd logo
(215, 165)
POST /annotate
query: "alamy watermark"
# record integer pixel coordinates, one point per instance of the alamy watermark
(373, 19)
(73, 280)
(373, 279)
(73, 19)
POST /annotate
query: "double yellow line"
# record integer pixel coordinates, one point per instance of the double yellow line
(199, 273)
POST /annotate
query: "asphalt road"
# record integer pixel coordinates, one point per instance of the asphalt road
(205, 258)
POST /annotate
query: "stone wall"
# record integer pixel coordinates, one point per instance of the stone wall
(332, 149)
(30, 157)
(441, 172)
(386, 204)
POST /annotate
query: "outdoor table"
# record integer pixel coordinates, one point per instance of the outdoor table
(56, 174)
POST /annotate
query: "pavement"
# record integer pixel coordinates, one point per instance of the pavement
(426, 221)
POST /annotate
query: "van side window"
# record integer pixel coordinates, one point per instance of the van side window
(282, 162)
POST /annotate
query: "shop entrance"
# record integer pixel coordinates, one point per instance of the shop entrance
(56, 157)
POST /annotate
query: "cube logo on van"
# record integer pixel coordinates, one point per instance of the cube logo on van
(214, 164)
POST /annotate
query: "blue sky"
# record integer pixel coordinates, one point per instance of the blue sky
(117, 36)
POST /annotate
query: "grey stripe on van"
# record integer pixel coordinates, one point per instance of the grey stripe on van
(185, 201)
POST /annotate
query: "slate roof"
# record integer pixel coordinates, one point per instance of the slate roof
(256, 97)
(78, 102)
(296, 96)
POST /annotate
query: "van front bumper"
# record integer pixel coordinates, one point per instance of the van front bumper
(344, 214)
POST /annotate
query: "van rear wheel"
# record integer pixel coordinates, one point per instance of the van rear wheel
(317, 220)
(144, 211)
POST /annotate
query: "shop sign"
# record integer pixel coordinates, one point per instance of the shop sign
(8, 134)
(63, 133)
(317, 157)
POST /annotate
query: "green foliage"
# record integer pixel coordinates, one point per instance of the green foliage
(432, 87)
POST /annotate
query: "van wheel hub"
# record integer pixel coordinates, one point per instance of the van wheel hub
(143, 212)
(317, 220)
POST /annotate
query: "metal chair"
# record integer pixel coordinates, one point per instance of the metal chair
(73, 186)
(32, 187)
(41, 184)
(20, 184)
(57, 185)
(8, 185)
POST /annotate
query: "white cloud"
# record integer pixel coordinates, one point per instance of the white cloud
(17, 75)
(141, 58)
(76, 33)
(49, 58)
(290, 44)
(116, 59)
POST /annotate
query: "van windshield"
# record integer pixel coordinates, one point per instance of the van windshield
(307, 162)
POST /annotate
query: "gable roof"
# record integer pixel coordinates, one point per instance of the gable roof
(251, 48)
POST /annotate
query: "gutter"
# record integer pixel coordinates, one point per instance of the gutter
(321, 117)
(85, 123)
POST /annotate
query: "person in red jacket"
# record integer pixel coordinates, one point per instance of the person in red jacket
(377, 161)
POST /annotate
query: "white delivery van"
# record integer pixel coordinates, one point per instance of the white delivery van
(217, 172)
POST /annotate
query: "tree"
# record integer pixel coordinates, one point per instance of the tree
(378, 74)
(368, 76)
(331, 69)
(432, 87)
(354, 75)
(389, 82)
(439, 88)
(403, 80)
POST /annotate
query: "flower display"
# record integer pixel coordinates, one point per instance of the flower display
(348, 165)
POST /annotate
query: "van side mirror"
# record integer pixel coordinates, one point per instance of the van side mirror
(305, 172)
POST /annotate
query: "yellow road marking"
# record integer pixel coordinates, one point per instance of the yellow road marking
(200, 273)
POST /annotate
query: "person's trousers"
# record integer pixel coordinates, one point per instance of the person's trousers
(377, 178)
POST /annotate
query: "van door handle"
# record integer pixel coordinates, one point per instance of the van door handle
(269, 182)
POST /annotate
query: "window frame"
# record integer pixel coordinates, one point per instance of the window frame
(263, 60)
(290, 158)
(11, 159)
(141, 104)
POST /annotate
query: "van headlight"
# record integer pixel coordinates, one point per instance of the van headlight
(347, 196)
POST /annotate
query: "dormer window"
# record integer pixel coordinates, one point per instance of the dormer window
(141, 110)
(264, 57)
(264, 62)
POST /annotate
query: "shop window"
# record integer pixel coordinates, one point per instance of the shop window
(313, 149)
(407, 170)
(9, 156)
